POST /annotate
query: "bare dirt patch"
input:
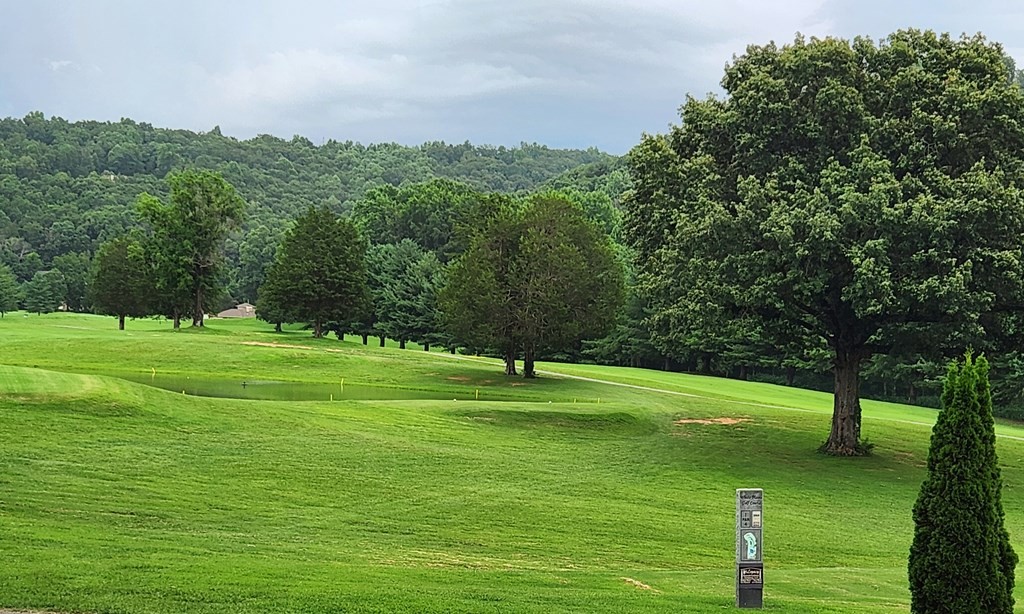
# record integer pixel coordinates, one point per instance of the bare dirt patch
(458, 378)
(272, 345)
(722, 421)
(639, 584)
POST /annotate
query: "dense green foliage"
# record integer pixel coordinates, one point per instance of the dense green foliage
(187, 240)
(66, 187)
(120, 283)
(853, 195)
(318, 275)
(430, 213)
(10, 293)
(961, 560)
(44, 293)
(405, 281)
(535, 277)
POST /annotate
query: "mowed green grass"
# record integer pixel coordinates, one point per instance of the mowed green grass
(118, 497)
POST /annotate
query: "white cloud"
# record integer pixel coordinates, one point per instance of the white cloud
(383, 86)
(580, 72)
(59, 65)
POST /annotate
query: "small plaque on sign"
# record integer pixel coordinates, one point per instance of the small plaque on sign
(750, 499)
(756, 519)
(751, 575)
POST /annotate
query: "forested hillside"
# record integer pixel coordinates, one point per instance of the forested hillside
(66, 187)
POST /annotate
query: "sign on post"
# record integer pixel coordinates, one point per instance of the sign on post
(749, 561)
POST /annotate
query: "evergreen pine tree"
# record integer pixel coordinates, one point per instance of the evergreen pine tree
(961, 560)
(318, 275)
(9, 291)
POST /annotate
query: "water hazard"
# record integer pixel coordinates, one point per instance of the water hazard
(295, 391)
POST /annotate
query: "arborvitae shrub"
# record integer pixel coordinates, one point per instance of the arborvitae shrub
(961, 561)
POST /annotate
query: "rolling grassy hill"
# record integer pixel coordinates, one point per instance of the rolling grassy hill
(567, 494)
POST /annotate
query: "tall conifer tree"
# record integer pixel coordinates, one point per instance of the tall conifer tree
(961, 561)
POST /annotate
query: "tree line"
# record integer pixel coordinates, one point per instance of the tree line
(482, 271)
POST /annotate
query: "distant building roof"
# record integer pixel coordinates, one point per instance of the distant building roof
(241, 310)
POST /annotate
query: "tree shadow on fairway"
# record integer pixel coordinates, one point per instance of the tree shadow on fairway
(577, 422)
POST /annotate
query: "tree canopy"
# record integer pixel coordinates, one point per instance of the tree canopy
(188, 233)
(319, 273)
(405, 281)
(535, 276)
(120, 283)
(847, 193)
(44, 293)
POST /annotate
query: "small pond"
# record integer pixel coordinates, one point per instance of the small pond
(293, 391)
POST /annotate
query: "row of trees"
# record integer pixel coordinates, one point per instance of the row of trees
(534, 275)
(176, 268)
(488, 272)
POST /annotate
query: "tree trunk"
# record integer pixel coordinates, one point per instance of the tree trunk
(401, 344)
(912, 394)
(743, 372)
(528, 371)
(844, 440)
(318, 332)
(790, 375)
(705, 364)
(510, 362)
(383, 339)
(452, 349)
(177, 320)
(665, 368)
(426, 346)
(277, 327)
(197, 315)
(120, 322)
(341, 336)
(366, 338)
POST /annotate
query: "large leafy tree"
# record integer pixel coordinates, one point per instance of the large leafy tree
(848, 193)
(569, 284)
(74, 266)
(961, 559)
(120, 283)
(478, 300)
(9, 291)
(537, 277)
(319, 272)
(188, 235)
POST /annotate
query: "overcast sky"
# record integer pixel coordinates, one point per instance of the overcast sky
(566, 73)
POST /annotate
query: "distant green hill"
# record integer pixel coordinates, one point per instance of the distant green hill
(68, 186)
